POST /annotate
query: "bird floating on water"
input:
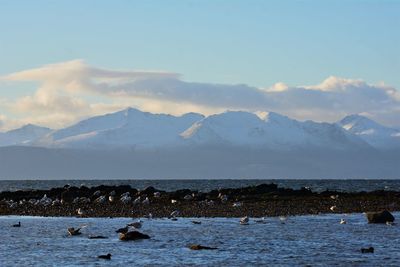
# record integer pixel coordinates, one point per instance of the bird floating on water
(105, 257)
(244, 220)
(17, 225)
(367, 250)
(73, 231)
(343, 221)
(196, 222)
(283, 219)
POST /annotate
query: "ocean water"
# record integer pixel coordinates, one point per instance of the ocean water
(210, 184)
(301, 241)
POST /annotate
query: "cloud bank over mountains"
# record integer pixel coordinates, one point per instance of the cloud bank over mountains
(73, 90)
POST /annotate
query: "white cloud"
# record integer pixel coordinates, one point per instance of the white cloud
(73, 90)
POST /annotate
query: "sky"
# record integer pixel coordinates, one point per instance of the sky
(62, 61)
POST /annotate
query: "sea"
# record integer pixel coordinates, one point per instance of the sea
(299, 241)
(205, 185)
(311, 240)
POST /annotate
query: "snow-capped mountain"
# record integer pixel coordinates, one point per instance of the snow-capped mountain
(270, 130)
(23, 135)
(126, 128)
(131, 128)
(372, 132)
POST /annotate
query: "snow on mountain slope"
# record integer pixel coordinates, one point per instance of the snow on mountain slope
(271, 130)
(372, 132)
(23, 135)
(129, 127)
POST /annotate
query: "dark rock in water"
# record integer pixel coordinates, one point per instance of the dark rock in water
(196, 222)
(200, 247)
(133, 235)
(105, 257)
(367, 250)
(379, 217)
(97, 237)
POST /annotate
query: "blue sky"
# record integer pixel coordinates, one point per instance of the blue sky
(258, 43)
(253, 42)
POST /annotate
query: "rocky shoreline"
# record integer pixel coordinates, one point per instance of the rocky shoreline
(254, 201)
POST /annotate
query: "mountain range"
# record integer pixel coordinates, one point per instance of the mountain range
(234, 144)
(131, 128)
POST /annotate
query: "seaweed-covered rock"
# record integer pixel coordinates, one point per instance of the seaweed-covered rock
(379, 217)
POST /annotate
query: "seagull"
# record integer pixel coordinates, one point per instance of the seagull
(73, 231)
(157, 194)
(136, 225)
(17, 225)
(80, 212)
(237, 204)
(105, 257)
(333, 208)
(343, 221)
(244, 220)
(111, 198)
(136, 201)
(174, 214)
(334, 197)
(173, 201)
(283, 219)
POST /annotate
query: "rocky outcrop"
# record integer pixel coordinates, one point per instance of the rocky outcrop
(379, 217)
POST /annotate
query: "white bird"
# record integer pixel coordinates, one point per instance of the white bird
(136, 201)
(343, 221)
(244, 220)
(224, 198)
(173, 201)
(126, 199)
(333, 208)
(80, 212)
(283, 219)
(174, 214)
(100, 199)
(237, 204)
(334, 197)
(157, 194)
(56, 202)
(111, 198)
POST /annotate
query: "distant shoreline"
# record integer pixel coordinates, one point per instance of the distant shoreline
(253, 201)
